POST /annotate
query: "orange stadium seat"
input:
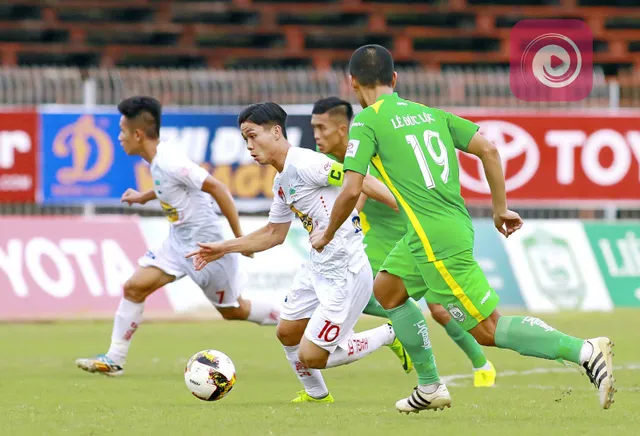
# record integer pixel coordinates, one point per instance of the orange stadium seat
(320, 34)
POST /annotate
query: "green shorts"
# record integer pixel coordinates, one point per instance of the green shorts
(457, 283)
(407, 271)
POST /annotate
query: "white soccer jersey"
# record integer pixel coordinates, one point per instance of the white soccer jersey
(307, 188)
(177, 182)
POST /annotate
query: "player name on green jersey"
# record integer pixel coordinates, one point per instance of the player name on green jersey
(413, 147)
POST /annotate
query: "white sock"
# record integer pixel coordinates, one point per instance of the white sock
(361, 344)
(486, 367)
(429, 389)
(311, 379)
(585, 352)
(264, 312)
(128, 318)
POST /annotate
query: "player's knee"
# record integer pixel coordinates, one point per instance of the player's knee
(133, 291)
(484, 338)
(287, 336)
(389, 290)
(440, 314)
(312, 360)
(388, 300)
(485, 332)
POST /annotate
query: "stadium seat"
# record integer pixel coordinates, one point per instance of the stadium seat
(261, 33)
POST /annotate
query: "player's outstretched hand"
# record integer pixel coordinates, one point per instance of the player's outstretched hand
(131, 196)
(319, 240)
(208, 252)
(250, 255)
(507, 222)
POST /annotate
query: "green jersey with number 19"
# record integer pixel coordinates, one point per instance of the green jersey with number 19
(413, 147)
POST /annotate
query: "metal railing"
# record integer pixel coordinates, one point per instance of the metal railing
(455, 87)
(462, 87)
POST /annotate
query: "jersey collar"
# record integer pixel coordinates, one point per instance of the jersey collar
(386, 96)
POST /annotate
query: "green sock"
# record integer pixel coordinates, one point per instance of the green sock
(411, 329)
(531, 336)
(467, 343)
(373, 308)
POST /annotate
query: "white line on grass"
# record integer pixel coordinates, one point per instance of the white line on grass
(451, 379)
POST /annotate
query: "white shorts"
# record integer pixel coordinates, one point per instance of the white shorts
(332, 307)
(218, 280)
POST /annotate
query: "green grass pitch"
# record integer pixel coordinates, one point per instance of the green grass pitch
(43, 393)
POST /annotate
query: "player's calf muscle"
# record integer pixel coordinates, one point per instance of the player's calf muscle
(234, 313)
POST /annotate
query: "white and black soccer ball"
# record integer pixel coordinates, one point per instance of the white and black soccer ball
(210, 375)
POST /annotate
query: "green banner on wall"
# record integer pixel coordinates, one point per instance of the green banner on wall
(617, 250)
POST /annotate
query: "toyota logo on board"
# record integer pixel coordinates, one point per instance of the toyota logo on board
(514, 144)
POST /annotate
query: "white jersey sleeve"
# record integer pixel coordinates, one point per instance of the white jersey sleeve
(322, 171)
(279, 212)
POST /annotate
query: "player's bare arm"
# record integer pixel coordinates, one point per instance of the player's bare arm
(377, 190)
(221, 194)
(342, 208)
(505, 220)
(131, 196)
(361, 202)
(262, 239)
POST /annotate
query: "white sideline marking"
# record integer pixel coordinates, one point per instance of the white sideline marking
(451, 379)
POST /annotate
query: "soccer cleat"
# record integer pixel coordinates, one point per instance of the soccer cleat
(599, 369)
(397, 349)
(102, 364)
(303, 397)
(418, 400)
(484, 378)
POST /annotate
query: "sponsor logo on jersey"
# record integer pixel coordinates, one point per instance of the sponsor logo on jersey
(281, 194)
(170, 212)
(356, 223)
(352, 148)
(307, 221)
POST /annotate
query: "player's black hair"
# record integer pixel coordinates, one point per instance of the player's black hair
(147, 110)
(333, 105)
(372, 65)
(268, 113)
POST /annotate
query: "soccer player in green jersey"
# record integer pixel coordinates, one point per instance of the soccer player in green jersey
(383, 227)
(414, 149)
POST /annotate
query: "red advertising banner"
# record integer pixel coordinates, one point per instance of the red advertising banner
(54, 267)
(18, 156)
(558, 157)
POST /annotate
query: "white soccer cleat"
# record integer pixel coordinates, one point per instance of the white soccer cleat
(599, 369)
(418, 400)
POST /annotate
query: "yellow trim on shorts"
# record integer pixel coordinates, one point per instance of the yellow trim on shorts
(413, 219)
(457, 291)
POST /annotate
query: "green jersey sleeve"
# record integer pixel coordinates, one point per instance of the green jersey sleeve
(461, 130)
(362, 145)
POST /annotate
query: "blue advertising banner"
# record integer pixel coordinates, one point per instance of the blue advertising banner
(83, 161)
(492, 257)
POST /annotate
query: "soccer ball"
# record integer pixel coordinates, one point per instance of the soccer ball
(210, 375)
